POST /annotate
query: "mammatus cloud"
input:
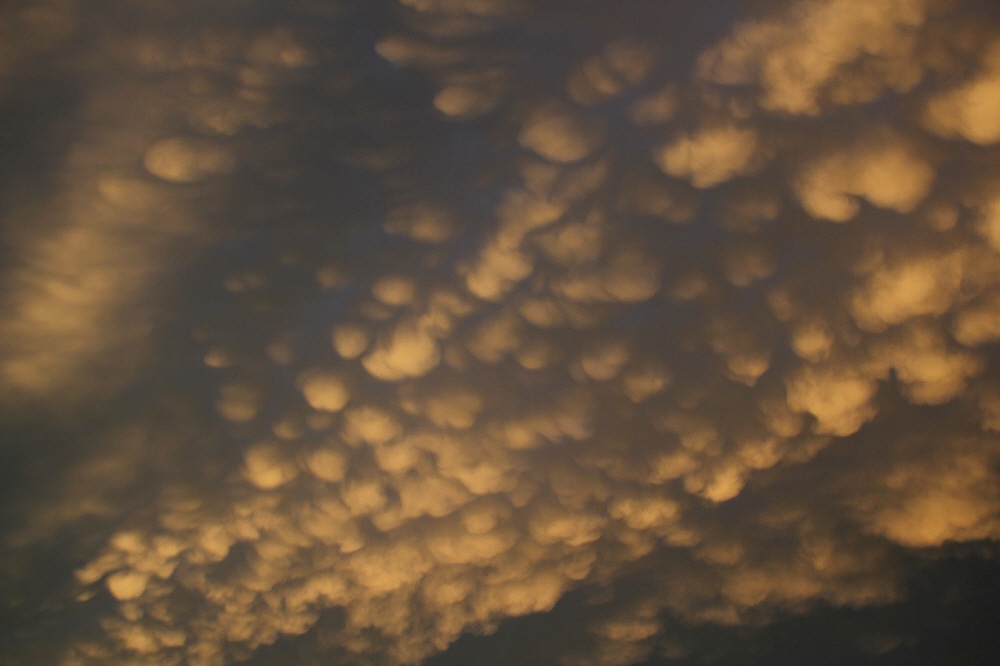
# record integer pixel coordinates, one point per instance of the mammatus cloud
(968, 109)
(804, 55)
(494, 306)
(883, 171)
(711, 156)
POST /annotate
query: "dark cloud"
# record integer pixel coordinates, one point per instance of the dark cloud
(433, 331)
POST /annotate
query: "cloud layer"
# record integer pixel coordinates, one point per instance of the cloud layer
(374, 325)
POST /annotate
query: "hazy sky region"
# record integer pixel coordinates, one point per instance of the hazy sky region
(499, 332)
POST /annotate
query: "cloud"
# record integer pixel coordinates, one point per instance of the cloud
(408, 351)
(558, 134)
(323, 390)
(885, 172)
(930, 500)
(797, 56)
(180, 160)
(621, 65)
(710, 156)
(969, 110)
(350, 341)
(907, 288)
(424, 221)
(239, 402)
(931, 372)
(840, 398)
(490, 315)
(265, 467)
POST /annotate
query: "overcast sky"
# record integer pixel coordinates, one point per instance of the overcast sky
(495, 332)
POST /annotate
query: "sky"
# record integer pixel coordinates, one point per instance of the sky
(490, 332)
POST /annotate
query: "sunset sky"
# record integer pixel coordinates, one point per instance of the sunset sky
(499, 332)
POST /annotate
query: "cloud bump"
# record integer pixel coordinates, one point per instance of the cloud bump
(369, 327)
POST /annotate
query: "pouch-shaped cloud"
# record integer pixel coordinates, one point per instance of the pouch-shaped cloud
(604, 362)
(497, 271)
(886, 172)
(559, 134)
(929, 371)
(978, 323)
(370, 425)
(628, 276)
(930, 500)
(645, 381)
(620, 65)
(524, 329)
(350, 340)
(328, 465)
(464, 101)
(394, 290)
(446, 408)
(266, 467)
(408, 351)
(906, 288)
(503, 262)
(422, 221)
(840, 398)
(187, 160)
(467, 96)
(323, 390)
(239, 402)
(126, 585)
(711, 155)
(971, 109)
(797, 57)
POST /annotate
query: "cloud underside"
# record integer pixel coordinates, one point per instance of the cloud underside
(729, 329)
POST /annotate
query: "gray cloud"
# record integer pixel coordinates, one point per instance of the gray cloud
(373, 326)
